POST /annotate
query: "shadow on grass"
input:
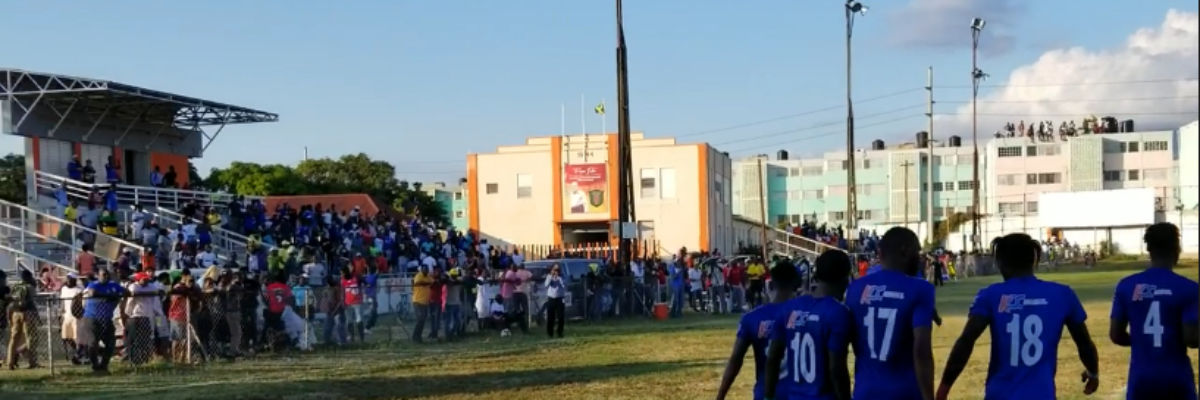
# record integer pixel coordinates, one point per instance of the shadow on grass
(358, 386)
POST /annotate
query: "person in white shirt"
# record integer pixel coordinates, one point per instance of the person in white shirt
(207, 258)
(189, 231)
(315, 273)
(139, 311)
(140, 217)
(75, 340)
(517, 258)
(695, 287)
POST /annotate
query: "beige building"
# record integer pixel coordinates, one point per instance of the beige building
(562, 190)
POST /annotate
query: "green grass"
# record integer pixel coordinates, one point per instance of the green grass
(633, 359)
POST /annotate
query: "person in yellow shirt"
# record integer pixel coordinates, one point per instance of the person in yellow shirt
(420, 301)
(757, 273)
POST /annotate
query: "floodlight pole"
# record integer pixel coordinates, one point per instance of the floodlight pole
(851, 182)
(625, 206)
(976, 77)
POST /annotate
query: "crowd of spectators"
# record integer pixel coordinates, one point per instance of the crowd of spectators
(1045, 131)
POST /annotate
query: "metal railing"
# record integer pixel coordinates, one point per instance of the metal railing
(131, 194)
(26, 230)
(222, 238)
(790, 242)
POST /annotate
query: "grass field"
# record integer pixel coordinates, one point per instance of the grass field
(635, 359)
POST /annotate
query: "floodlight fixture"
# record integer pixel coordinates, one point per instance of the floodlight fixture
(977, 24)
(856, 7)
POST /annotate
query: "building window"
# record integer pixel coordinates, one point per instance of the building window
(1159, 145)
(1132, 175)
(649, 180)
(838, 165)
(666, 183)
(1031, 207)
(492, 188)
(1049, 178)
(1031, 151)
(524, 186)
(1031, 179)
(814, 194)
(870, 189)
(781, 219)
(458, 214)
(1015, 207)
(870, 215)
(1131, 147)
(795, 194)
(966, 185)
(938, 186)
(719, 190)
(837, 215)
(1112, 176)
(812, 171)
(458, 196)
(797, 219)
(779, 172)
(1049, 150)
(1010, 151)
(794, 171)
(1008, 179)
(1155, 174)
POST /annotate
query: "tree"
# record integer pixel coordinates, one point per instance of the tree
(356, 173)
(258, 180)
(12, 178)
(194, 178)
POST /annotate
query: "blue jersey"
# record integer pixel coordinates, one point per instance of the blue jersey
(1027, 316)
(756, 327)
(887, 306)
(1157, 303)
(811, 327)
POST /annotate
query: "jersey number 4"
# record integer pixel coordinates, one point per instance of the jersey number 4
(1025, 340)
(874, 315)
(1153, 324)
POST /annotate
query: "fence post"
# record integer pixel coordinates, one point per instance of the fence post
(187, 314)
(49, 335)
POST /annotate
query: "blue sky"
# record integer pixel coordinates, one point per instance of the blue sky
(422, 83)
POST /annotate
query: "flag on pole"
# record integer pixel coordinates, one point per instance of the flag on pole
(600, 108)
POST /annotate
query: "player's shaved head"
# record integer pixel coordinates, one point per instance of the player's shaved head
(1162, 242)
(900, 250)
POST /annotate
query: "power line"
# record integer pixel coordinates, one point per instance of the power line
(1068, 84)
(1110, 100)
(824, 125)
(825, 134)
(801, 114)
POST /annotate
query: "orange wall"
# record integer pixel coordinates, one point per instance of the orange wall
(36, 152)
(165, 160)
(556, 181)
(473, 192)
(702, 167)
(614, 178)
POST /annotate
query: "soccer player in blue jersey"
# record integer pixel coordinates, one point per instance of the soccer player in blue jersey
(814, 333)
(1154, 312)
(1026, 316)
(755, 327)
(893, 314)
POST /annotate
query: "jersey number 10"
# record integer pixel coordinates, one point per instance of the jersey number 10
(804, 357)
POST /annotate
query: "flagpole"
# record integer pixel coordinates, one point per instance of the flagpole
(563, 122)
(583, 114)
(604, 117)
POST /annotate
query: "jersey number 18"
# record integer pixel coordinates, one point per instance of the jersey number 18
(1025, 340)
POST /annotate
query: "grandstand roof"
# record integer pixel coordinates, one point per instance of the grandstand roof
(108, 97)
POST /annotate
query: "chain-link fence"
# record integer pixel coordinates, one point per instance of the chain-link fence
(197, 322)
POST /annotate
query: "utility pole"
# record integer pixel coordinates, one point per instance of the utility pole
(762, 207)
(929, 161)
(977, 76)
(907, 189)
(852, 8)
(625, 206)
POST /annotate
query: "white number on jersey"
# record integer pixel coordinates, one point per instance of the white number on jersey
(804, 358)
(1153, 325)
(1025, 340)
(885, 347)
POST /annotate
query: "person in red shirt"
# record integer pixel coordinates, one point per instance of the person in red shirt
(435, 301)
(360, 264)
(352, 298)
(735, 277)
(279, 298)
(381, 264)
(183, 294)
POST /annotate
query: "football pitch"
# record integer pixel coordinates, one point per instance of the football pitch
(630, 359)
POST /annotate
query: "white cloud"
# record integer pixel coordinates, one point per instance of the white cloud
(1039, 91)
(945, 24)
